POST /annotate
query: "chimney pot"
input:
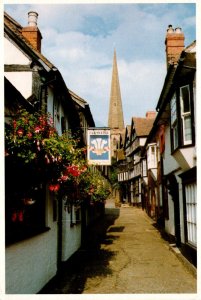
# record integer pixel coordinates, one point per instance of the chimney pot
(170, 29)
(178, 30)
(174, 44)
(32, 18)
(32, 32)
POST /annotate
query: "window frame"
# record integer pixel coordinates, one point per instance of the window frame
(189, 177)
(178, 137)
(185, 114)
(174, 123)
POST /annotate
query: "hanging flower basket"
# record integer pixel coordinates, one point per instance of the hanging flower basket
(32, 143)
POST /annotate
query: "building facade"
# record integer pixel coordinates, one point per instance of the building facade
(170, 189)
(130, 169)
(42, 234)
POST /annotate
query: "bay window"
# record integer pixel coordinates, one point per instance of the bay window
(186, 114)
(181, 118)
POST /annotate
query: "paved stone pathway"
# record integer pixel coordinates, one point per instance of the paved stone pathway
(124, 254)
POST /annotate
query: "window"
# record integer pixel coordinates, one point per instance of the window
(24, 203)
(181, 107)
(186, 114)
(174, 122)
(151, 157)
(191, 209)
(189, 183)
(144, 168)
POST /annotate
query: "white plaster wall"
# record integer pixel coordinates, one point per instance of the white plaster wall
(169, 224)
(22, 81)
(189, 156)
(71, 236)
(181, 210)
(170, 163)
(30, 264)
(13, 55)
(142, 141)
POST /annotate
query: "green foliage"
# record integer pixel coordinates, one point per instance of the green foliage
(32, 141)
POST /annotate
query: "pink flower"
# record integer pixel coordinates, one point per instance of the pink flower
(64, 177)
(47, 159)
(6, 153)
(51, 121)
(20, 132)
(37, 129)
(29, 135)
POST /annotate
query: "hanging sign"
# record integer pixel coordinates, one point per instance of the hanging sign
(98, 146)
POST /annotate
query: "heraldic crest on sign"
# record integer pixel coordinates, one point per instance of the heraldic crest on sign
(99, 146)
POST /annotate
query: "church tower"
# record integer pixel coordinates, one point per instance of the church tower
(115, 117)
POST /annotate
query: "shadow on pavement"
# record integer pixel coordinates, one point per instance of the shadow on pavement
(89, 261)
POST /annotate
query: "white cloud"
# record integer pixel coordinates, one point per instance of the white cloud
(85, 59)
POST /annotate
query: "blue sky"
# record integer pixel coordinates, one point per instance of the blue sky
(79, 39)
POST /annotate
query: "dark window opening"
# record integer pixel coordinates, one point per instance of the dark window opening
(24, 202)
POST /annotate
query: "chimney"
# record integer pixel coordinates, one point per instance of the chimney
(174, 44)
(150, 114)
(31, 32)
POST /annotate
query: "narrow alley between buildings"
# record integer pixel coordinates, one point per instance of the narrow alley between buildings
(124, 253)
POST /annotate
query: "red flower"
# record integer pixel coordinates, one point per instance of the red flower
(20, 216)
(73, 170)
(51, 187)
(20, 132)
(37, 129)
(14, 123)
(42, 121)
(54, 187)
(14, 217)
(64, 178)
(29, 135)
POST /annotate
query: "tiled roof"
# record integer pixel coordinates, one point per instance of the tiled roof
(77, 98)
(142, 125)
(16, 29)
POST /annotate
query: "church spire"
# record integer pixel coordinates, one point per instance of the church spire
(115, 117)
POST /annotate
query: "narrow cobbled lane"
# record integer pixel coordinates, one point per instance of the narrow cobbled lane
(124, 254)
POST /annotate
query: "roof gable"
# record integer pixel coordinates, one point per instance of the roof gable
(14, 30)
(142, 126)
